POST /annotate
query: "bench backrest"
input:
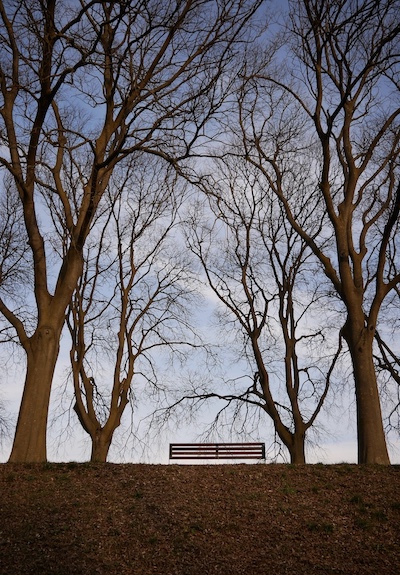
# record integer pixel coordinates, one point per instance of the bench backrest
(217, 451)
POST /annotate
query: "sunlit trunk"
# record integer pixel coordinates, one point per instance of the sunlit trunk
(371, 436)
(30, 436)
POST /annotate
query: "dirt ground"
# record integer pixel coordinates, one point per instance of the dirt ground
(81, 519)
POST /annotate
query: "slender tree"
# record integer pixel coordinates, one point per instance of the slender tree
(14, 260)
(132, 300)
(14, 275)
(339, 73)
(267, 282)
(83, 85)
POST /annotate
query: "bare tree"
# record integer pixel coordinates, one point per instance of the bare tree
(14, 256)
(14, 276)
(266, 278)
(132, 300)
(83, 85)
(339, 78)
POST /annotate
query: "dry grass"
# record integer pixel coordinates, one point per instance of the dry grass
(78, 519)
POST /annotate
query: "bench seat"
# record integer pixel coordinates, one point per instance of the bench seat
(217, 451)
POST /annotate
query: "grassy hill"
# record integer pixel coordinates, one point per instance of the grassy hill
(80, 519)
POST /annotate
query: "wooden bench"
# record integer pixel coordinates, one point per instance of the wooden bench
(217, 451)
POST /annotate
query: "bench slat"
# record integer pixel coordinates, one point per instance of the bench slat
(217, 451)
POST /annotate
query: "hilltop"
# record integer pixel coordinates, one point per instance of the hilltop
(82, 519)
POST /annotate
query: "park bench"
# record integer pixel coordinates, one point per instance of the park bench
(217, 451)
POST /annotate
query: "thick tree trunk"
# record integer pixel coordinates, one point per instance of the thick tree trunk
(100, 446)
(297, 449)
(30, 436)
(371, 436)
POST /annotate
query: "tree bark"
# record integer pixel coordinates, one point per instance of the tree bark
(30, 436)
(101, 442)
(297, 448)
(371, 436)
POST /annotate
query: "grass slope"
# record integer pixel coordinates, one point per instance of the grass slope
(80, 519)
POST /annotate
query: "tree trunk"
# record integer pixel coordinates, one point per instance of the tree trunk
(294, 442)
(371, 436)
(30, 436)
(101, 442)
(297, 449)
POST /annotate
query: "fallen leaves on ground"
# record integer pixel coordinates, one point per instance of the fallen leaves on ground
(82, 519)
